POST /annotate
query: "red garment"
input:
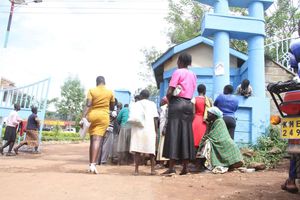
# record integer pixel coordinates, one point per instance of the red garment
(23, 125)
(199, 126)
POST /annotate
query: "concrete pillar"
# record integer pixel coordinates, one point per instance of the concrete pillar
(221, 51)
(221, 7)
(256, 60)
(221, 59)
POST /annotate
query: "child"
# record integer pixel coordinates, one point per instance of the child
(13, 121)
(244, 89)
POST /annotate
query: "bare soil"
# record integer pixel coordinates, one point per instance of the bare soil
(60, 173)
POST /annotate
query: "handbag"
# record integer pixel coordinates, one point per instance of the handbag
(208, 104)
(177, 90)
(85, 127)
(137, 115)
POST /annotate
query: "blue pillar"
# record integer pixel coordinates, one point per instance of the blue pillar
(221, 6)
(256, 60)
(221, 50)
(221, 58)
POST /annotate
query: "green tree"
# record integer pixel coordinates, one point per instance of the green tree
(185, 16)
(184, 19)
(151, 88)
(282, 21)
(72, 100)
(51, 114)
(146, 72)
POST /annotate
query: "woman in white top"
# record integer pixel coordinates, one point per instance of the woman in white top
(12, 123)
(143, 138)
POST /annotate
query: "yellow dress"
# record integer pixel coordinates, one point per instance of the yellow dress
(98, 114)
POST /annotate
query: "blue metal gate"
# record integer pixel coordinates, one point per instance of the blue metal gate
(35, 94)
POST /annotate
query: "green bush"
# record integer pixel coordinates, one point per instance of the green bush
(270, 148)
(56, 135)
(61, 136)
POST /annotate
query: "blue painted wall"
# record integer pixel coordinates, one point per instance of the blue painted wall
(251, 121)
(123, 96)
(253, 113)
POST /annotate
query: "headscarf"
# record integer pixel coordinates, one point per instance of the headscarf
(216, 111)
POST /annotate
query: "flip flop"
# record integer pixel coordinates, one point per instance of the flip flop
(169, 173)
(135, 174)
(153, 173)
(10, 154)
(185, 172)
(16, 151)
(288, 188)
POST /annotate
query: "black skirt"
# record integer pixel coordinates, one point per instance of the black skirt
(10, 133)
(179, 138)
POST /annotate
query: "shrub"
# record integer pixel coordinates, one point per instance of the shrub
(270, 148)
(61, 136)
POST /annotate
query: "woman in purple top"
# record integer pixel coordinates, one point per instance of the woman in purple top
(228, 104)
(179, 140)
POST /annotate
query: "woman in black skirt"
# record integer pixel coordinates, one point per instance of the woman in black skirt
(12, 122)
(179, 140)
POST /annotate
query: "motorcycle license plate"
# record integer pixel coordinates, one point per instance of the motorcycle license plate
(290, 128)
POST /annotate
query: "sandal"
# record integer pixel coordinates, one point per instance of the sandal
(92, 169)
(169, 172)
(182, 173)
(153, 173)
(135, 174)
(289, 188)
(16, 151)
(10, 154)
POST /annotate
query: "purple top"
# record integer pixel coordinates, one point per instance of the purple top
(228, 104)
(295, 54)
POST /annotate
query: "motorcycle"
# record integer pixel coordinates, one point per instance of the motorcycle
(286, 96)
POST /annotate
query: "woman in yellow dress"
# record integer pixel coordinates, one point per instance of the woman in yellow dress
(99, 102)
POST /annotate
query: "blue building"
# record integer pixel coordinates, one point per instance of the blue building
(123, 96)
(216, 65)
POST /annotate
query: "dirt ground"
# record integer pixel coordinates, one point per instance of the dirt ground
(59, 173)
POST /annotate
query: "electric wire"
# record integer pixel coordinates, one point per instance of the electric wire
(107, 7)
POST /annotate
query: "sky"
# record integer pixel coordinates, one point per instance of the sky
(81, 38)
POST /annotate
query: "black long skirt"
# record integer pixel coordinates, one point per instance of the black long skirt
(179, 138)
(10, 133)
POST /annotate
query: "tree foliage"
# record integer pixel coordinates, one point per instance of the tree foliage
(72, 99)
(185, 16)
(52, 114)
(282, 22)
(184, 19)
(146, 74)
